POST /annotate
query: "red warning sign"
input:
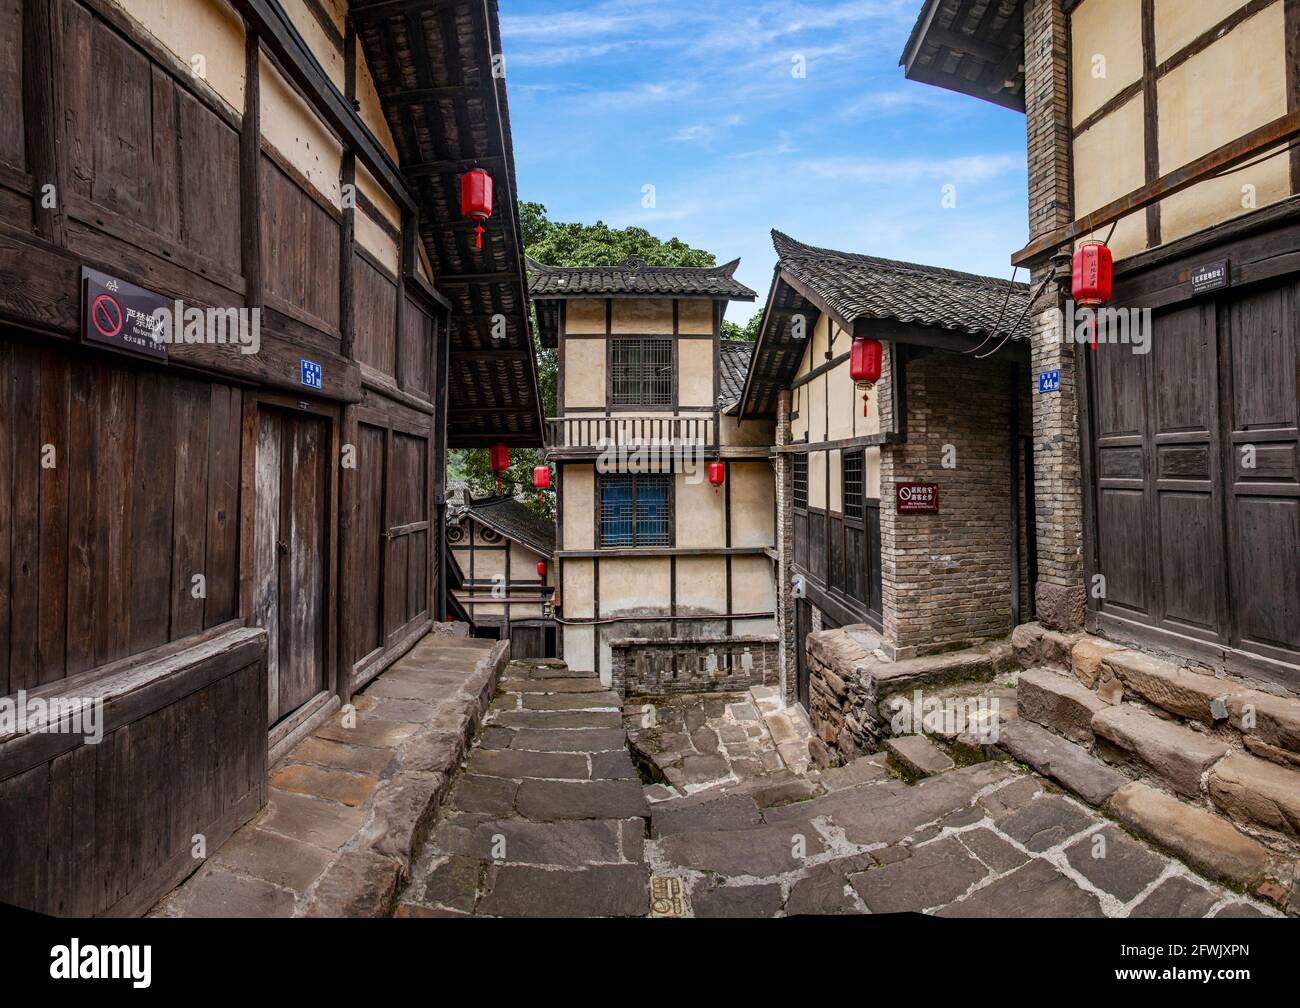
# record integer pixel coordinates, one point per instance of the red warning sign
(106, 315)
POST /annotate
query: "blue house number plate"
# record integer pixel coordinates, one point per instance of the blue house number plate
(1049, 381)
(311, 374)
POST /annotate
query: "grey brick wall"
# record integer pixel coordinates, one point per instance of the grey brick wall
(945, 578)
(1059, 602)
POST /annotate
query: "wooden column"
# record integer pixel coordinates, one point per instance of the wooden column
(250, 154)
(40, 119)
(347, 228)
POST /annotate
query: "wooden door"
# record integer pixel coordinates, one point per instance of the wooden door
(1195, 461)
(290, 567)
(802, 628)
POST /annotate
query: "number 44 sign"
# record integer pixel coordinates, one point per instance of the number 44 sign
(1049, 381)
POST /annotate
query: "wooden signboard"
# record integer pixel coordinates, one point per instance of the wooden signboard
(120, 315)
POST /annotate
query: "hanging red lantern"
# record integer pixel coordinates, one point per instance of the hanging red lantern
(541, 480)
(864, 365)
(476, 200)
(499, 460)
(717, 474)
(1092, 278)
(541, 569)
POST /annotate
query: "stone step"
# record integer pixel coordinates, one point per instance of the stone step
(1257, 793)
(1178, 755)
(1207, 842)
(917, 757)
(1070, 765)
(863, 770)
(1058, 702)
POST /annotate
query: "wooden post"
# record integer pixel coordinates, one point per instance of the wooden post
(40, 118)
(347, 228)
(250, 155)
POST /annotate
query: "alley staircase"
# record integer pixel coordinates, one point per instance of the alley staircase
(549, 817)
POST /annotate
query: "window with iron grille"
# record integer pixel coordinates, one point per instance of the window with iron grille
(801, 482)
(641, 372)
(853, 485)
(636, 510)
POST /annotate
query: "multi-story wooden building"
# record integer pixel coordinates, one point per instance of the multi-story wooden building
(906, 513)
(504, 553)
(222, 539)
(665, 579)
(1167, 482)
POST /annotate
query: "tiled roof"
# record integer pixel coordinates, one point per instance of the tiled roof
(734, 356)
(513, 520)
(633, 277)
(862, 286)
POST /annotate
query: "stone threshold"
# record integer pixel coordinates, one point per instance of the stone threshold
(350, 805)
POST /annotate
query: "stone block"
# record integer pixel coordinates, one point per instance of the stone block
(935, 874)
(360, 883)
(1057, 702)
(280, 860)
(1272, 719)
(1034, 645)
(1177, 754)
(337, 785)
(1257, 792)
(404, 808)
(1207, 842)
(1166, 685)
(916, 756)
(1086, 658)
(1068, 764)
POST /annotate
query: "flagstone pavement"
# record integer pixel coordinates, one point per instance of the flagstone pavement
(549, 817)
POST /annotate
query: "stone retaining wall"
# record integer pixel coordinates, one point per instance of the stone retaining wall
(648, 667)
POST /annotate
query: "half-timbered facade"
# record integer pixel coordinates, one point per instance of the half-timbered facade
(1169, 497)
(504, 553)
(647, 549)
(905, 513)
(221, 539)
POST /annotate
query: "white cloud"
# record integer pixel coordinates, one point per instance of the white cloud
(970, 168)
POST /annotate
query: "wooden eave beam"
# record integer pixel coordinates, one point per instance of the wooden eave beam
(1245, 147)
(423, 168)
(937, 338)
(266, 18)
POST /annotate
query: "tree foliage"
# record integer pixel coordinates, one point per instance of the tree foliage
(566, 244)
(748, 332)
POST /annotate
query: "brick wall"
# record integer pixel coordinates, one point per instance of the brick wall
(1059, 601)
(945, 578)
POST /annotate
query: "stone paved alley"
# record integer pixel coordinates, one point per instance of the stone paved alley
(549, 817)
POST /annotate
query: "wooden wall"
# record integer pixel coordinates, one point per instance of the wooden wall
(101, 530)
(107, 829)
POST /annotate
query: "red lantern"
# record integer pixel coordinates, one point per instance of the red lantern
(717, 474)
(476, 200)
(541, 480)
(864, 365)
(1091, 275)
(541, 569)
(499, 460)
(1091, 278)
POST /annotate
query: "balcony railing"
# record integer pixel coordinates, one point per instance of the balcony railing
(650, 667)
(583, 434)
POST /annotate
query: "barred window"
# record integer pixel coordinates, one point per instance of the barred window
(636, 510)
(641, 372)
(853, 485)
(801, 482)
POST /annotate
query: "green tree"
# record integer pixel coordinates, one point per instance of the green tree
(748, 332)
(566, 244)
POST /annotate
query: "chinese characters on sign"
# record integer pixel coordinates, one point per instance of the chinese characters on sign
(121, 315)
(311, 374)
(1210, 277)
(1049, 381)
(917, 498)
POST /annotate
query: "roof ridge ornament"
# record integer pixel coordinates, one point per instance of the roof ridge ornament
(632, 264)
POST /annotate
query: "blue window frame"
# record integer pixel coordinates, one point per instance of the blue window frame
(636, 510)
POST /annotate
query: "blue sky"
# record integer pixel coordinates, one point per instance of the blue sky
(697, 98)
